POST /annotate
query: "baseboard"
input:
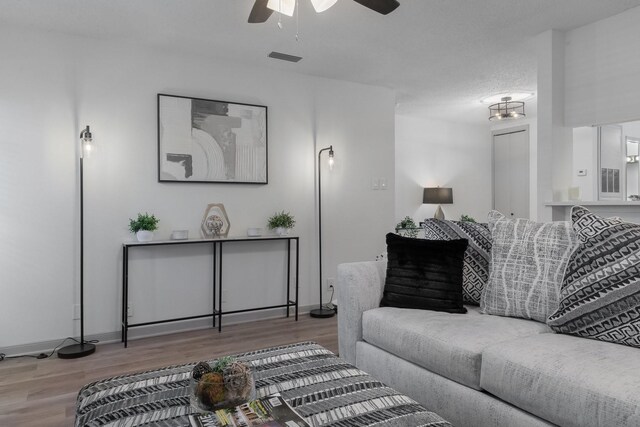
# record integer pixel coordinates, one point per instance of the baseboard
(155, 330)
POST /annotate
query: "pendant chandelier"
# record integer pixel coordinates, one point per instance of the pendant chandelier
(506, 109)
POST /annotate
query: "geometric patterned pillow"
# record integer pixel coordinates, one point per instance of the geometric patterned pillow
(600, 296)
(528, 261)
(475, 271)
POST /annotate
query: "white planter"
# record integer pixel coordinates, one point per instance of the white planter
(144, 236)
(281, 231)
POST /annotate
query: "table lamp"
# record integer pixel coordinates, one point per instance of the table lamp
(437, 196)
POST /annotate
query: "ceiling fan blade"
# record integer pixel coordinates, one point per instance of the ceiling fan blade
(260, 12)
(322, 5)
(282, 6)
(381, 6)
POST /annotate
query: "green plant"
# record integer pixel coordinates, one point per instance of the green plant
(222, 363)
(407, 227)
(281, 220)
(143, 222)
(467, 218)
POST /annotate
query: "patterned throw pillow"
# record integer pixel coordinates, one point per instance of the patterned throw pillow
(475, 271)
(424, 274)
(600, 296)
(528, 261)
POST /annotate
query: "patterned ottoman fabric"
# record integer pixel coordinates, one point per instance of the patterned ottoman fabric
(600, 296)
(322, 388)
(475, 271)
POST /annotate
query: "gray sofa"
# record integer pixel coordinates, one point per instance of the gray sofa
(482, 370)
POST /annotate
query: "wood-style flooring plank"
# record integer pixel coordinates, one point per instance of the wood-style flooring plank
(35, 393)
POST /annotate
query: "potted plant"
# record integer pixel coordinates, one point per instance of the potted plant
(407, 228)
(467, 218)
(281, 222)
(144, 226)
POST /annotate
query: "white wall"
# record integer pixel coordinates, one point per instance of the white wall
(432, 153)
(602, 67)
(53, 85)
(589, 76)
(585, 157)
(554, 142)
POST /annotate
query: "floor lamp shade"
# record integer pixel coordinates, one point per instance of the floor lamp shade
(82, 348)
(438, 196)
(322, 311)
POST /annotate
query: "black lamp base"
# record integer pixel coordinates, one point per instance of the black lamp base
(76, 350)
(322, 313)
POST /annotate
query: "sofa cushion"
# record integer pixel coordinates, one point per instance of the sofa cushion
(457, 403)
(448, 344)
(600, 296)
(567, 380)
(425, 274)
(475, 271)
(528, 261)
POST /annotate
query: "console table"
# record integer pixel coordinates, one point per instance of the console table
(217, 245)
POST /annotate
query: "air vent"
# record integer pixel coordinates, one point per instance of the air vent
(284, 57)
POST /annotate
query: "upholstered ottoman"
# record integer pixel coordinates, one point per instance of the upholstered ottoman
(322, 388)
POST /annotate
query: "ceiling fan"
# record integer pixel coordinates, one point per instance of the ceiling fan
(262, 9)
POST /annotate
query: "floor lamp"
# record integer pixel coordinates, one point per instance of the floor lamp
(322, 312)
(82, 348)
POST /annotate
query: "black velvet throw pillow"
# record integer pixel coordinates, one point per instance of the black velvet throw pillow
(424, 274)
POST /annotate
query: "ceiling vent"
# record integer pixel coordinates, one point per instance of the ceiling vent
(284, 57)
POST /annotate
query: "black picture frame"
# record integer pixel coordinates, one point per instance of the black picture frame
(210, 141)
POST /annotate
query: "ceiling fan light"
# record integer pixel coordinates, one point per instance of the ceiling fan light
(506, 109)
(285, 7)
(322, 5)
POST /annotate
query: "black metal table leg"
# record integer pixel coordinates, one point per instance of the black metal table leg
(220, 289)
(214, 285)
(297, 271)
(125, 304)
(288, 274)
(123, 309)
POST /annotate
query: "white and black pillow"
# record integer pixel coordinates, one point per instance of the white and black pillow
(528, 261)
(475, 272)
(424, 274)
(600, 296)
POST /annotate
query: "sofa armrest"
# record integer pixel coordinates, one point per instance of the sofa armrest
(359, 288)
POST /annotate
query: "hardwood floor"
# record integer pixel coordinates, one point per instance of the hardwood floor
(43, 392)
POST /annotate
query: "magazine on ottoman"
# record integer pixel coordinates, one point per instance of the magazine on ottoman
(270, 411)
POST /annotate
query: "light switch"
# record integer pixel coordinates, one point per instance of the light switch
(582, 172)
(375, 184)
(383, 183)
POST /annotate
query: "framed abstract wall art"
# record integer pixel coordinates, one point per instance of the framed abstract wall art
(202, 140)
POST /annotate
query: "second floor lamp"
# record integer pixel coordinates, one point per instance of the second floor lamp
(82, 348)
(322, 311)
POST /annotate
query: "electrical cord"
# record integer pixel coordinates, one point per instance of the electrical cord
(44, 355)
(330, 305)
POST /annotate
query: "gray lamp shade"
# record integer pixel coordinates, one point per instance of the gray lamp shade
(438, 195)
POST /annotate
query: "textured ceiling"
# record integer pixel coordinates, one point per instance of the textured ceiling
(441, 56)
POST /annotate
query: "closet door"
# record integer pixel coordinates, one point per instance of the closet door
(511, 173)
